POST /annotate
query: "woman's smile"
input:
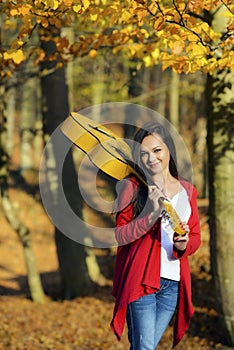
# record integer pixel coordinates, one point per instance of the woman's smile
(154, 164)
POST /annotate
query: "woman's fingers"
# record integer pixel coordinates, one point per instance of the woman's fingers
(180, 242)
(185, 227)
(154, 192)
(179, 238)
(154, 196)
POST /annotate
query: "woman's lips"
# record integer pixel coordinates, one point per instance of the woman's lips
(154, 165)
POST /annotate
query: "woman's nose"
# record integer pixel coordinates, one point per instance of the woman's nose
(152, 157)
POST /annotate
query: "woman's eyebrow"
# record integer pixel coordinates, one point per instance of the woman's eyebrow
(156, 147)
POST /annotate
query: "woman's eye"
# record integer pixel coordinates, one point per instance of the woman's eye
(143, 154)
(157, 150)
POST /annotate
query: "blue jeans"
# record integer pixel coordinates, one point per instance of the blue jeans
(149, 316)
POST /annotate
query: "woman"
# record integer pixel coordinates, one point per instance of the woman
(152, 276)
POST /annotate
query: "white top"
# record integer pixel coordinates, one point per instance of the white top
(170, 266)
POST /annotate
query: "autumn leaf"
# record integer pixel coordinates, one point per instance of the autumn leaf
(147, 61)
(152, 8)
(77, 8)
(199, 50)
(53, 4)
(85, 3)
(24, 10)
(93, 53)
(167, 60)
(155, 53)
(176, 47)
(126, 15)
(179, 64)
(43, 21)
(14, 12)
(16, 55)
(68, 3)
(158, 24)
(169, 26)
(94, 17)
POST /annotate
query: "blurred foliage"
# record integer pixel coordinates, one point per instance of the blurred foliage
(180, 34)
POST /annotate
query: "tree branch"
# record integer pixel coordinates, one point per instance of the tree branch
(182, 24)
(227, 7)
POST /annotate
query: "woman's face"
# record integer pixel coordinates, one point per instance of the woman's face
(155, 155)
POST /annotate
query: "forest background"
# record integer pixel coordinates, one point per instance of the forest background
(60, 56)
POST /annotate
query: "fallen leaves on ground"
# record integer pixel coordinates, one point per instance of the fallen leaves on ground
(83, 323)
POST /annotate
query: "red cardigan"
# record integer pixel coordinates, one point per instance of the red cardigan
(137, 267)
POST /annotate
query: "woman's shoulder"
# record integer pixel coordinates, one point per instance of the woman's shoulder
(189, 187)
(128, 184)
(132, 180)
(125, 190)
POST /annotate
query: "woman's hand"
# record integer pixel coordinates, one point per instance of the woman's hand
(154, 195)
(180, 242)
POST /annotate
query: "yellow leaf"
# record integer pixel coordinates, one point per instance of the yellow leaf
(199, 50)
(158, 24)
(10, 24)
(211, 66)
(14, 12)
(93, 53)
(54, 4)
(155, 53)
(7, 55)
(77, 8)
(59, 65)
(208, 5)
(44, 22)
(94, 17)
(16, 55)
(179, 64)
(147, 61)
(181, 6)
(176, 47)
(167, 60)
(24, 10)
(85, 3)
(231, 27)
(191, 37)
(153, 9)
(68, 3)
(205, 26)
(126, 16)
(20, 42)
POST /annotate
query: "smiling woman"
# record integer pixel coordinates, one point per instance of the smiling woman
(152, 277)
(154, 155)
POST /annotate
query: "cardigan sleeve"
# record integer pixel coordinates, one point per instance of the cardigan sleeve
(128, 228)
(195, 233)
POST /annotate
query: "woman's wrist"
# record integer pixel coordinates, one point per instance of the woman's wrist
(153, 216)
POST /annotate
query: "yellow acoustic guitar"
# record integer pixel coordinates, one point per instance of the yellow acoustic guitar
(108, 152)
(174, 217)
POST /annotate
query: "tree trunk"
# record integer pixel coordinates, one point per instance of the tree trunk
(38, 140)
(134, 90)
(174, 94)
(220, 102)
(161, 97)
(11, 102)
(23, 233)
(27, 123)
(71, 255)
(200, 157)
(220, 136)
